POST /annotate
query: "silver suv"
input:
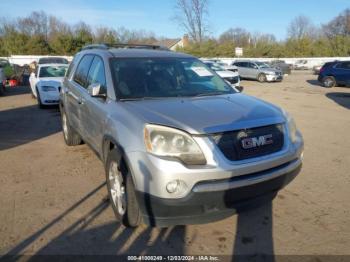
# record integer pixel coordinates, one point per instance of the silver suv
(179, 144)
(259, 71)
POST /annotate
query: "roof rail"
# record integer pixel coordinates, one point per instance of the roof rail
(126, 46)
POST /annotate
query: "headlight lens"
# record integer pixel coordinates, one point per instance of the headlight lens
(48, 88)
(170, 142)
(292, 127)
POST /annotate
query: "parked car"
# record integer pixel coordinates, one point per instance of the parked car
(259, 71)
(179, 145)
(46, 83)
(53, 60)
(3, 64)
(316, 69)
(302, 65)
(335, 73)
(281, 65)
(229, 76)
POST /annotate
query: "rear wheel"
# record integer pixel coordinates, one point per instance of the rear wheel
(262, 78)
(329, 81)
(71, 137)
(121, 191)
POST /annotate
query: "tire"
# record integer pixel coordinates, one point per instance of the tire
(329, 82)
(262, 78)
(71, 137)
(40, 105)
(121, 191)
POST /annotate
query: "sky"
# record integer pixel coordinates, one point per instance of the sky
(264, 16)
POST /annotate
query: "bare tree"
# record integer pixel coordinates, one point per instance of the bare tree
(238, 36)
(340, 25)
(300, 27)
(191, 16)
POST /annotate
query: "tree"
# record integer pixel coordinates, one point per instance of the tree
(191, 15)
(238, 36)
(300, 27)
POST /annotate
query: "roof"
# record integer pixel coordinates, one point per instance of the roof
(169, 43)
(137, 53)
(146, 53)
(42, 65)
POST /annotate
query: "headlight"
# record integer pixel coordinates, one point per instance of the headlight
(270, 73)
(291, 127)
(170, 142)
(48, 88)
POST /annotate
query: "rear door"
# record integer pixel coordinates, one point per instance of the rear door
(252, 70)
(93, 108)
(342, 73)
(75, 88)
(242, 69)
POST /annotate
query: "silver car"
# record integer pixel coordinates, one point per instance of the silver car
(259, 71)
(179, 144)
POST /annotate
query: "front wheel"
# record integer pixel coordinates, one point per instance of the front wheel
(40, 104)
(121, 191)
(262, 78)
(329, 81)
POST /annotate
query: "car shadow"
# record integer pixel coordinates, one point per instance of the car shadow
(342, 99)
(17, 90)
(81, 239)
(23, 125)
(314, 82)
(254, 235)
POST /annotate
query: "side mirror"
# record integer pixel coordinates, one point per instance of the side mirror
(94, 90)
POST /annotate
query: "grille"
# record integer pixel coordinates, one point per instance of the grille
(230, 143)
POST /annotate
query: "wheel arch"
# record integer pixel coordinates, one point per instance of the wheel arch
(109, 144)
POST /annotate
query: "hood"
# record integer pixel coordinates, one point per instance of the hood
(205, 115)
(50, 81)
(227, 74)
(270, 69)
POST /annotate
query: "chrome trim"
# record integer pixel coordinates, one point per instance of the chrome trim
(221, 186)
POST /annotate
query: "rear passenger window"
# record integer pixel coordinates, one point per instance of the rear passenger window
(344, 65)
(97, 74)
(81, 73)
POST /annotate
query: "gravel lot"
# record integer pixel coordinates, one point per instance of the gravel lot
(53, 198)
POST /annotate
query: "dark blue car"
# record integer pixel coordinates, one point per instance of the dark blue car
(335, 74)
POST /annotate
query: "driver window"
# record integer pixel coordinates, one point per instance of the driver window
(97, 74)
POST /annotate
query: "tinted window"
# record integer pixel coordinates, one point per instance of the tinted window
(165, 77)
(81, 73)
(344, 65)
(97, 73)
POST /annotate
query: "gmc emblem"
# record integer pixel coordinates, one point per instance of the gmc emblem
(252, 142)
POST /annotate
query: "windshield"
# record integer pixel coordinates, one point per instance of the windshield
(262, 65)
(165, 77)
(53, 71)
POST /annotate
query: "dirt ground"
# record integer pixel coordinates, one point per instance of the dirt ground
(53, 197)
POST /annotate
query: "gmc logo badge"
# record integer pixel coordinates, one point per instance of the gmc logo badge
(252, 142)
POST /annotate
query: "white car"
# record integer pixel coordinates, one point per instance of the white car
(46, 83)
(230, 76)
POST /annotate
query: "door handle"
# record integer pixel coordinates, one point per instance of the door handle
(81, 101)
